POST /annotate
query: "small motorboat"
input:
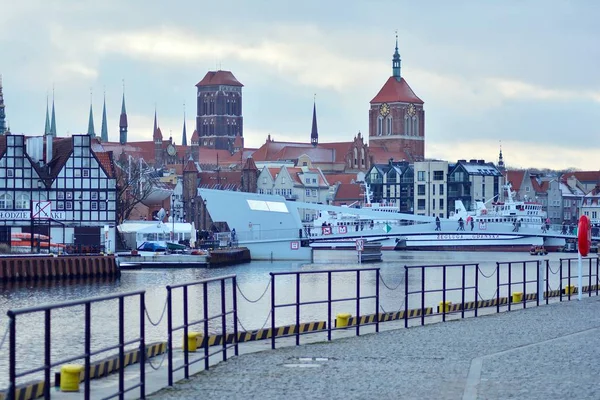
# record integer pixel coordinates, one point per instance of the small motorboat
(538, 251)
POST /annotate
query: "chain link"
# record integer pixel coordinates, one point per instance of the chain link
(265, 324)
(257, 300)
(162, 314)
(385, 284)
(5, 334)
(484, 275)
(493, 296)
(553, 272)
(160, 363)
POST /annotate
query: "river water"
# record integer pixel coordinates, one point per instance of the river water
(253, 310)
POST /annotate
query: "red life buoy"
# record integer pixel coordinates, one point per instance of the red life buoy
(584, 237)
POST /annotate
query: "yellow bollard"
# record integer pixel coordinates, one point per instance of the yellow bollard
(192, 341)
(517, 297)
(444, 307)
(70, 375)
(569, 289)
(341, 320)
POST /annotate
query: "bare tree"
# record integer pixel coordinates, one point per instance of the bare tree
(135, 182)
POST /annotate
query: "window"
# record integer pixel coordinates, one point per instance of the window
(433, 204)
(438, 175)
(22, 202)
(305, 164)
(379, 126)
(594, 214)
(441, 189)
(10, 173)
(6, 202)
(86, 173)
(60, 205)
(94, 195)
(307, 192)
(433, 190)
(283, 181)
(421, 204)
(314, 193)
(307, 180)
(60, 195)
(260, 191)
(421, 176)
(421, 190)
(69, 195)
(314, 180)
(441, 204)
(102, 205)
(94, 205)
(264, 180)
(389, 125)
(69, 205)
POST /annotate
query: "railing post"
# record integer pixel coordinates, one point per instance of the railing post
(476, 288)
(88, 349)
(547, 296)
(524, 284)
(560, 281)
(235, 316)
(443, 294)
(170, 336)
(121, 347)
(186, 332)
(12, 367)
(462, 308)
(597, 282)
(205, 317)
(329, 316)
(358, 302)
(142, 357)
(377, 272)
(509, 284)
(405, 296)
(590, 277)
(498, 287)
(297, 310)
(47, 352)
(422, 295)
(272, 310)
(223, 320)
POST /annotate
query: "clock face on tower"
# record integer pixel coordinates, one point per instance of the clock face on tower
(171, 150)
(411, 110)
(384, 110)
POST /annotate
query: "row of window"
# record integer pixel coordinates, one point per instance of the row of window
(421, 204)
(437, 176)
(385, 126)
(421, 189)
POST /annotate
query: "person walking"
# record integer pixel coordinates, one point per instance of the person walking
(437, 224)
(472, 223)
(461, 224)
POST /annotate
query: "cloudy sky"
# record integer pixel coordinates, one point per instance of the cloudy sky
(523, 73)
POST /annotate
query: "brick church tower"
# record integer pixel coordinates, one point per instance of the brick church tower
(219, 120)
(397, 118)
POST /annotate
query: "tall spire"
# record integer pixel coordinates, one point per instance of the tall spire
(47, 130)
(53, 120)
(104, 130)
(2, 111)
(155, 120)
(396, 62)
(184, 138)
(91, 132)
(314, 133)
(123, 120)
(500, 159)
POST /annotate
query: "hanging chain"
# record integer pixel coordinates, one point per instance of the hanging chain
(257, 300)
(162, 314)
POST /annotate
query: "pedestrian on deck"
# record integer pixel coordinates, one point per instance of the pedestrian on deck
(472, 223)
(461, 224)
(437, 224)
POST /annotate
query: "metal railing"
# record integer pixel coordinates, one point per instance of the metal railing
(88, 353)
(568, 273)
(439, 293)
(204, 321)
(522, 269)
(329, 301)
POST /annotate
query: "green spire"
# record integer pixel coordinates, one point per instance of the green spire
(184, 138)
(104, 131)
(47, 130)
(53, 120)
(123, 105)
(91, 132)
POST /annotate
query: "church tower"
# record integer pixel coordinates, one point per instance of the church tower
(123, 122)
(158, 144)
(314, 133)
(397, 117)
(91, 131)
(219, 118)
(2, 111)
(104, 128)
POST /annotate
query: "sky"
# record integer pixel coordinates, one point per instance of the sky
(520, 74)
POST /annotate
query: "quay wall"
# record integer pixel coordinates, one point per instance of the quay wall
(229, 256)
(29, 267)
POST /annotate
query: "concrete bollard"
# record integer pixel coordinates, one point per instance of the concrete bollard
(517, 297)
(341, 320)
(69, 377)
(192, 341)
(444, 307)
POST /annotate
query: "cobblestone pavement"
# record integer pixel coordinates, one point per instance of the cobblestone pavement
(546, 352)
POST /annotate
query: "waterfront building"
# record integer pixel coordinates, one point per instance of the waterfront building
(473, 180)
(67, 192)
(430, 188)
(392, 182)
(397, 118)
(572, 197)
(591, 205)
(304, 184)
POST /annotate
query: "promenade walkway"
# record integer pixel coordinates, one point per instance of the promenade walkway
(546, 352)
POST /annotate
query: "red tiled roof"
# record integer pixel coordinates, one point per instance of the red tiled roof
(105, 160)
(584, 176)
(341, 149)
(228, 180)
(61, 151)
(539, 187)
(348, 191)
(341, 178)
(250, 164)
(396, 91)
(515, 178)
(190, 166)
(219, 78)
(195, 136)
